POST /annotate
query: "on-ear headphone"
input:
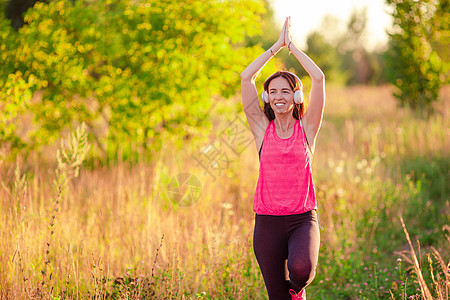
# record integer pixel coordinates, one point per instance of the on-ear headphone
(298, 94)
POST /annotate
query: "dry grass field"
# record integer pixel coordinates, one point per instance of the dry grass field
(180, 227)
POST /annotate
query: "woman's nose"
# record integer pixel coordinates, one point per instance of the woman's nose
(278, 95)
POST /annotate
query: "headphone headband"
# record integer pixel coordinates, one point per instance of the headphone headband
(299, 81)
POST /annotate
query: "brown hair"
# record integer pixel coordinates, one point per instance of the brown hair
(295, 86)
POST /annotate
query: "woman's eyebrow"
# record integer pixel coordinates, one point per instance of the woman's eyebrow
(283, 89)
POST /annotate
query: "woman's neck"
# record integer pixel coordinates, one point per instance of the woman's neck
(284, 122)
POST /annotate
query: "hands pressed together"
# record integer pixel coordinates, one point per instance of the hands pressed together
(285, 35)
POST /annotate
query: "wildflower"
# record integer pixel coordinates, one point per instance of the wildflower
(376, 160)
(339, 170)
(227, 205)
(359, 165)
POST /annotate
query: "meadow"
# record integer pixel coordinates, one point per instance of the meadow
(181, 225)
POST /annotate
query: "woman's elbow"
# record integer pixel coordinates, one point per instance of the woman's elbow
(245, 76)
(319, 76)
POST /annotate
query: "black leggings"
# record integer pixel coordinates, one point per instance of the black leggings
(293, 237)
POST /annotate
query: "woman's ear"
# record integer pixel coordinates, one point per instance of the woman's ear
(265, 97)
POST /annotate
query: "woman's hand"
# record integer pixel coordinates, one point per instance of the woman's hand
(282, 39)
(287, 32)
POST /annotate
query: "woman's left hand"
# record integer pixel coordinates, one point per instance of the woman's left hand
(287, 32)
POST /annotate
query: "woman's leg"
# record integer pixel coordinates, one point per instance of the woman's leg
(303, 245)
(271, 251)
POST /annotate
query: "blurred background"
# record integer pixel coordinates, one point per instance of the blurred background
(128, 170)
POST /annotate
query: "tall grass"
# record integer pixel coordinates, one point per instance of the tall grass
(122, 232)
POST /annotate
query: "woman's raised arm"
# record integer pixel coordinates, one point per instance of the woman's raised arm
(256, 118)
(312, 119)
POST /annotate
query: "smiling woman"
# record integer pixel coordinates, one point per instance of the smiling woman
(286, 233)
(282, 86)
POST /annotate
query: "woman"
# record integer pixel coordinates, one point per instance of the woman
(286, 222)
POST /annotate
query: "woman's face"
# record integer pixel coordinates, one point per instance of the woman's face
(281, 96)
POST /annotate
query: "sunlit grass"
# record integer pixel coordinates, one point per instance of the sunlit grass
(120, 233)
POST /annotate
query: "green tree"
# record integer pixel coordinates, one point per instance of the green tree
(130, 70)
(357, 61)
(340, 50)
(415, 66)
(440, 38)
(270, 31)
(324, 55)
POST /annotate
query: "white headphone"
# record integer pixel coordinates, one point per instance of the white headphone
(298, 94)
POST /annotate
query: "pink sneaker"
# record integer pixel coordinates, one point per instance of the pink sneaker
(299, 296)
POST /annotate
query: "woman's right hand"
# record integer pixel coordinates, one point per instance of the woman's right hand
(282, 39)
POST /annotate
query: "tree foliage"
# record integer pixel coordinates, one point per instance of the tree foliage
(358, 64)
(341, 51)
(324, 55)
(415, 65)
(128, 69)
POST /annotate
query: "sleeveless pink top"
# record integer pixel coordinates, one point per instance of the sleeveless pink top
(285, 184)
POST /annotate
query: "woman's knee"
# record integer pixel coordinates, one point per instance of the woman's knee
(301, 274)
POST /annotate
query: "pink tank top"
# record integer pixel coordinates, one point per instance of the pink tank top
(285, 184)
